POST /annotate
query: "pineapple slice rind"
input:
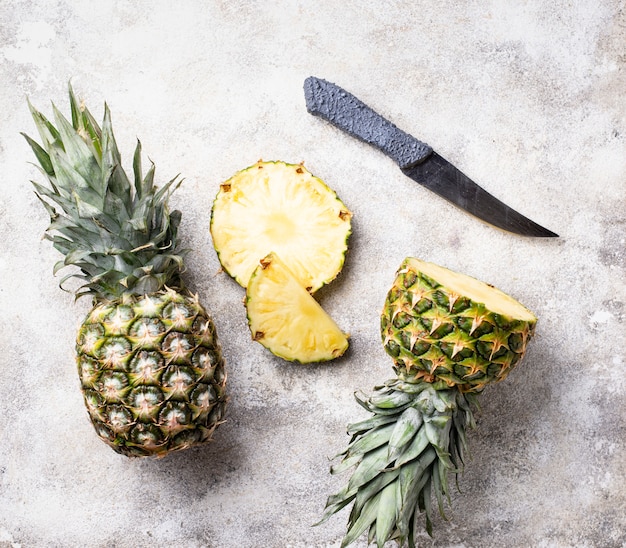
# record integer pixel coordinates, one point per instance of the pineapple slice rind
(286, 319)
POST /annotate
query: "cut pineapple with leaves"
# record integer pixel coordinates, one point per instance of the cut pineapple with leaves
(149, 361)
(286, 319)
(280, 208)
(450, 336)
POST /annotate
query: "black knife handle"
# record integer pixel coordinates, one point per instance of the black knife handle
(344, 110)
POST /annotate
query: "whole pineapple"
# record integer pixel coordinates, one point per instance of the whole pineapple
(449, 336)
(149, 360)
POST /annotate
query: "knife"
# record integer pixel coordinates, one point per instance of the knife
(416, 159)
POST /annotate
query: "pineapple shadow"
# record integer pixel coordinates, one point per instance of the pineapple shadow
(187, 471)
(503, 445)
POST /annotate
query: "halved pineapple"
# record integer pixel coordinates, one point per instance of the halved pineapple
(282, 208)
(286, 319)
(440, 325)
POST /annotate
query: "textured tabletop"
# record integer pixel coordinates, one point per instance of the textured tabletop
(527, 98)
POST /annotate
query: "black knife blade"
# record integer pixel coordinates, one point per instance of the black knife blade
(416, 159)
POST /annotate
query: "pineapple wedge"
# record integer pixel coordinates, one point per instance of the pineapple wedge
(282, 208)
(286, 319)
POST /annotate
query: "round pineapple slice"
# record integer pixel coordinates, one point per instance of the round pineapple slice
(282, 208)
(286, 319)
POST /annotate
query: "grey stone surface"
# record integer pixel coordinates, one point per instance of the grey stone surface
(526, 97)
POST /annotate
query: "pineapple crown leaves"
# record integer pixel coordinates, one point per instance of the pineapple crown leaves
(122, 237)
(401, 457)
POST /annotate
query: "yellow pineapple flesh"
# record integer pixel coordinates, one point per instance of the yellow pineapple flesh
(282, 208)
(286, 319)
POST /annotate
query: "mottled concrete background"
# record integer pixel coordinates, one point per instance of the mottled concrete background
(527, 97)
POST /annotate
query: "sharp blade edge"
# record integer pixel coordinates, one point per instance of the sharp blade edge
(440, 176)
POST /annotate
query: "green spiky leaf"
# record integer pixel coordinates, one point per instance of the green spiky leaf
(121, 237)
(401, 458)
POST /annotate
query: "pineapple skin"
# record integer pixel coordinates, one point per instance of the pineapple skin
(152, 373)
(438, 336)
